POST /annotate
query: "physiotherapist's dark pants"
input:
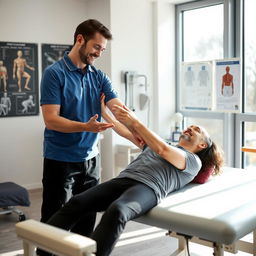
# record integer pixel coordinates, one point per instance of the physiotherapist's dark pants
(121, 199)
(62, 180)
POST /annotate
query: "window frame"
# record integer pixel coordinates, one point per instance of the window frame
(233, 46)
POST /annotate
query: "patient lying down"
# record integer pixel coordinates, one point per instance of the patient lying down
(159, 170)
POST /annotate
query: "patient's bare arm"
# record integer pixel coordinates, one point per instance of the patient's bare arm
(119, 128)
(172, 154)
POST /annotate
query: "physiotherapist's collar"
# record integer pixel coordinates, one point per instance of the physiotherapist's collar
(70, 65)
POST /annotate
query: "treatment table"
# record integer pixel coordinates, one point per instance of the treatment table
(218, 214)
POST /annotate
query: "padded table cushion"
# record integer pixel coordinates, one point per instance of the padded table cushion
(12, 194)
(221, 210)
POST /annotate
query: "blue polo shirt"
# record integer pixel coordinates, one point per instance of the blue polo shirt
(78, 94)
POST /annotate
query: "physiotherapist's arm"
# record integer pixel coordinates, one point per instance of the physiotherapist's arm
(171, 154)
(53, 121)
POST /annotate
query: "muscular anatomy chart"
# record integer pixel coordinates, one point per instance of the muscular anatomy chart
(52, 53)
(228, 85)
(18, 78)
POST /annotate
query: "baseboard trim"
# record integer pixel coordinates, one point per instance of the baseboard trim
(33, 186)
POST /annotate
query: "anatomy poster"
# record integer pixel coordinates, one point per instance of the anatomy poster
(52, 53)
(196, 86)
(18, 79)
(228, 85)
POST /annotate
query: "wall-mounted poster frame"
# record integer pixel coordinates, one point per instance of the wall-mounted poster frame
(228, 85)
(52, 53)
(197, 85)
(18, 79)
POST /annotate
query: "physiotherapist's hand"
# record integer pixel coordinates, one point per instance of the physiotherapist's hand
(94, 126)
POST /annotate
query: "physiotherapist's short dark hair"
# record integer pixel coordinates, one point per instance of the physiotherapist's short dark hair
(88, 29)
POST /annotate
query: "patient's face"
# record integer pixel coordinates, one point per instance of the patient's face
(194, 134)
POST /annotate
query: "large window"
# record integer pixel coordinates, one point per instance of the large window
(221, 29)
(250, 141)
(210, 127)
(202, 40)
(249, 120)
(250, 55)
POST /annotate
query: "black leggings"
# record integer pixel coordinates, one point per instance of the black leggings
(121, 199)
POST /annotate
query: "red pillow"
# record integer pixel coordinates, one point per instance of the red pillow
(203, 175)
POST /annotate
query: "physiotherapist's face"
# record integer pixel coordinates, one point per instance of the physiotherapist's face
(92, 49)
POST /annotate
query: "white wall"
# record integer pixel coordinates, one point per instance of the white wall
(164, 66)
(132, 47)
(36, 21)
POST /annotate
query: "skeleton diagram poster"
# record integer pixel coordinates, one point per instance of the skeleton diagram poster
(18, 79)
(52, 53)
(196, 86)
(228, 85)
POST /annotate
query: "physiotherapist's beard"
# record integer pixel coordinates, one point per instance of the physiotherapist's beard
(85, 58)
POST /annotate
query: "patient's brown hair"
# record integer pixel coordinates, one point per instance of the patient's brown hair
(212, 156)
